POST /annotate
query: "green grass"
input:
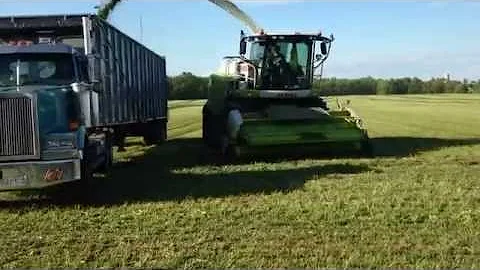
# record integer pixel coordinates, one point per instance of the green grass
(415, 205)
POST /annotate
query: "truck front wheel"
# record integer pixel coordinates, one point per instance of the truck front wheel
(108, 153)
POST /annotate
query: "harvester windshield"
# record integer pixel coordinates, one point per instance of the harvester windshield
(282, 64)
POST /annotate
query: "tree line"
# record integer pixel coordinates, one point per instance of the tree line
(190, 86)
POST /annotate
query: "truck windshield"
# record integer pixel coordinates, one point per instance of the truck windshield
(282, 64)
(36, 69)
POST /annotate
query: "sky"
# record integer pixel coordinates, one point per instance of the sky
(382, 39)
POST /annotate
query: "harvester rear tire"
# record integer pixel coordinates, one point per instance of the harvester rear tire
(366, 148)
(205, 131)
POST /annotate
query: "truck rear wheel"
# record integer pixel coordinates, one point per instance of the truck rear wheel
(156, 133)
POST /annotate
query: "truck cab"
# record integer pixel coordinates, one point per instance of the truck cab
(44, 87)
(71, 87)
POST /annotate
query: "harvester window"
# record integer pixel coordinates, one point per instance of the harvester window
(286, 65)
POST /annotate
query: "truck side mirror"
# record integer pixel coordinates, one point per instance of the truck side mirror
(243, 47)
(323, 48)
(93, 69)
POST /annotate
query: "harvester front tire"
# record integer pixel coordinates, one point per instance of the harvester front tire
(229, 152)
(205, 131)
(211, 131)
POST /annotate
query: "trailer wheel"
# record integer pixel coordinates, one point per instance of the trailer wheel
(155, 133)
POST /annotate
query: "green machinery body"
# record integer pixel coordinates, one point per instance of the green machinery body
(247, 110)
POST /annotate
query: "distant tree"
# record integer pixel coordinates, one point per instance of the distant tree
(461, 88)
(188, 86)
(383, 87)
(436, 86)
(415, 86)
(476, 87)
(399, 86)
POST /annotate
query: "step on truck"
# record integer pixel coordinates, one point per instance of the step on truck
(71, 88)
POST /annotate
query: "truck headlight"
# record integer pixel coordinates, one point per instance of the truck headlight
(60, 141)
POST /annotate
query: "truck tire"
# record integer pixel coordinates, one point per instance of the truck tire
(81, 190)
(119, 140)
(156, 133)
(108, 154)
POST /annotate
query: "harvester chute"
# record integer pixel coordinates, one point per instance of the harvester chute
(106, 7)
(238, 13)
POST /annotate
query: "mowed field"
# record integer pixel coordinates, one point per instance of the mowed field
(416, 204)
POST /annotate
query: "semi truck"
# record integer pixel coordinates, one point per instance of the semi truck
(71, 88)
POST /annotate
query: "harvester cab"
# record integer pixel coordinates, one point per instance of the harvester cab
(284, 63)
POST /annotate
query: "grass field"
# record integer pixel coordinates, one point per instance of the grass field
(416, 204)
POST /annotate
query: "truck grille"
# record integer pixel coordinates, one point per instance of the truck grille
(17, 128)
